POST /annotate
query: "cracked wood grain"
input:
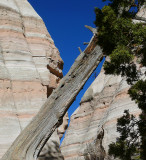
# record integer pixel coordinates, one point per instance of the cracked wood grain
(29, 143)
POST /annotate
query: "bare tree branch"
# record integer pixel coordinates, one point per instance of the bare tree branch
(29, 143)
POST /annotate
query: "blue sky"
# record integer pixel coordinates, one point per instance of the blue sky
(65, 21)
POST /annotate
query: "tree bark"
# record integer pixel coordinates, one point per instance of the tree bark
(29, 143)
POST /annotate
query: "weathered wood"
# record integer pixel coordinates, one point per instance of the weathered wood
(80, 50)
(29, 143)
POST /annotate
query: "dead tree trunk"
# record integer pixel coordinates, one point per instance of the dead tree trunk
(29, 143)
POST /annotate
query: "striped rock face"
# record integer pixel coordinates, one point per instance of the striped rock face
(30, 67)
(104, 102)
(93, 124)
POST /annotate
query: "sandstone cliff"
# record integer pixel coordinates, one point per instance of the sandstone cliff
(93, 124)
(30, 68)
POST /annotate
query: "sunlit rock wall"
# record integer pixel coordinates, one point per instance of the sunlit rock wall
(93, 124)
(102, 104)
(30, 67)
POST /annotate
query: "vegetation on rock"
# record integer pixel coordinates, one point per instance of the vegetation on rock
(125, 43)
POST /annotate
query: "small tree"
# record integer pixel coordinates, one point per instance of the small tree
(125, 44)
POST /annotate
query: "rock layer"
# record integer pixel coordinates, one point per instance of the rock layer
(93, 124)
(102, 104)
(30, 67)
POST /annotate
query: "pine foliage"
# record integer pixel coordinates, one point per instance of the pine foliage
(124, 42)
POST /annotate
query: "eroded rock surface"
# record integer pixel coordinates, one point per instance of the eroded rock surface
(30, 68)
(93, 124)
